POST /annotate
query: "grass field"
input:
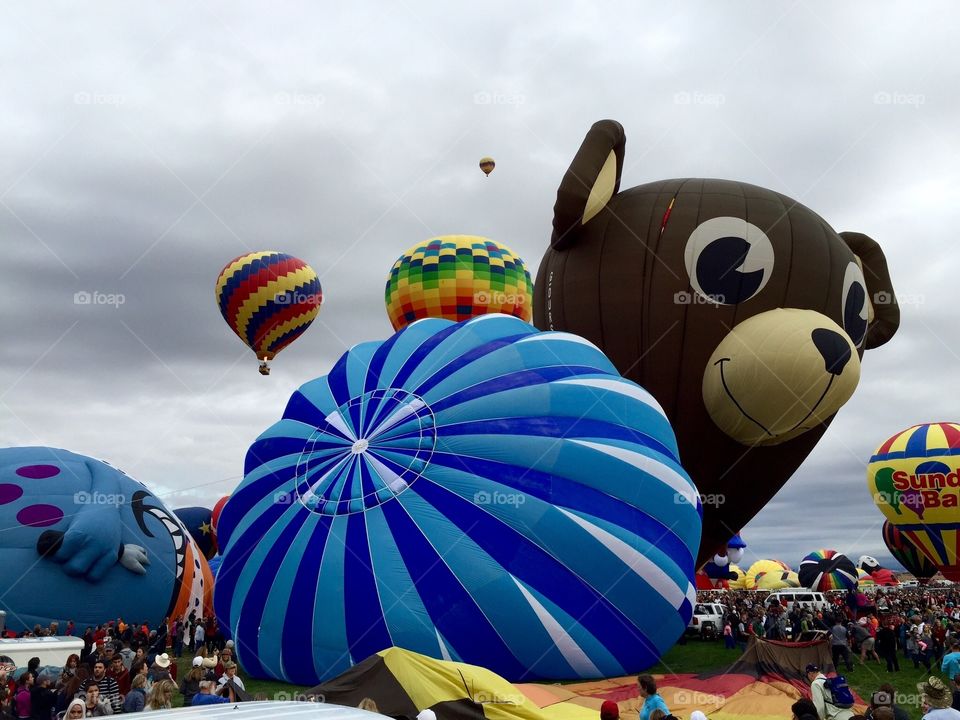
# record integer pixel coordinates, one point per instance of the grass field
(695, 657)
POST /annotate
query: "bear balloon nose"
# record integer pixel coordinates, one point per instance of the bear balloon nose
(833, 348)
(766, 382)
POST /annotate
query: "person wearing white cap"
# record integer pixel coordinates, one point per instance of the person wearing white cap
(190, 685)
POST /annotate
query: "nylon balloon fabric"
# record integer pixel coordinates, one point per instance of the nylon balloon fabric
(457, 277)
(482, 492)
(914, 479)
(906, 553)
(827, 570)
(268, 299)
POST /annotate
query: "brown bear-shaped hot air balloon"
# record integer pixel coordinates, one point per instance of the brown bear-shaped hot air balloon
(742, 311)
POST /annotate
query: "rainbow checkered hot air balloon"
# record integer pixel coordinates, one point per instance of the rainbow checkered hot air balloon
(479, 491)
(457, 277)
(914, 478)
(268, 299)
(827, 570)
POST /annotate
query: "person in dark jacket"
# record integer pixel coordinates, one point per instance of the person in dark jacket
(887, 647)
(43, 698)
(191, 681)
(136, 699)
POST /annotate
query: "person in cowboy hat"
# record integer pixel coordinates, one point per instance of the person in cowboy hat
(937, 699)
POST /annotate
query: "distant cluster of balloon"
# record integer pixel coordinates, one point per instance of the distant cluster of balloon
(507, 450)
(526, 497)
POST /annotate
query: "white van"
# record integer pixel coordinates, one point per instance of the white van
(799, 597)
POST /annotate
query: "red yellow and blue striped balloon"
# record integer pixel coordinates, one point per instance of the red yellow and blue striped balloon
(914, 478)
(907, 554)
(268, 299)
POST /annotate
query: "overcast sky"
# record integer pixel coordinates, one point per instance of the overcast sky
(145, 145)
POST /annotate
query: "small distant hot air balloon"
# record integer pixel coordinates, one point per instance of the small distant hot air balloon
(487, 165)
(268, 299)
(914, 478)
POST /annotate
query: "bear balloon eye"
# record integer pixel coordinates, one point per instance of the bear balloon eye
(728, 260)
(854, 307)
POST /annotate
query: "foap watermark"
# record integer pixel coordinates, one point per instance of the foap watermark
(706, 499)
(284, 498)
(697, 699)
(96, 98)
(285, 696)
(688, 298)
(498, 297)
(885, 97)
(699, 98)
(887, 298)
(486, 697)
(298, 298)
(299, 99)
(486, 97)
(482, 497)
(95, 297)
(99, 498)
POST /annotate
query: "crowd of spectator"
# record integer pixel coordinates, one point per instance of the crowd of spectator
(124, 668)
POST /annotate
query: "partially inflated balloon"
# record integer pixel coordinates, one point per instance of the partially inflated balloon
(268, 299)
(83, 541)
(760, 567)
(198, 524)
(864, 579)
(777, 580)
(827, 570)
(739, 581)
(479, 491)
(906, 553)
(215, 515)
(742, 311)
(457, 277)
(914, 478)
(884, 577)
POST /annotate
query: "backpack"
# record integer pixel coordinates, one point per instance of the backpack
(838, 692)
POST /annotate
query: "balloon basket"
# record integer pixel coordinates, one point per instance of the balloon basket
(264, 369)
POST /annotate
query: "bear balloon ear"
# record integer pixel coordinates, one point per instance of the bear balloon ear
(592, 179)
(886, 312)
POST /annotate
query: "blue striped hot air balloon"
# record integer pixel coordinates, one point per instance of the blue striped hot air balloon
(482, 492)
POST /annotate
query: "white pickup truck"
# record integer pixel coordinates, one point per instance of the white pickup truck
(707, 621)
